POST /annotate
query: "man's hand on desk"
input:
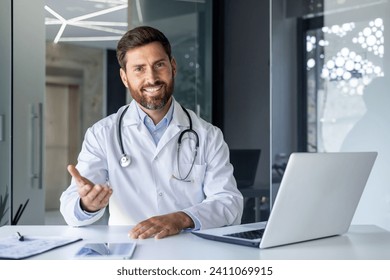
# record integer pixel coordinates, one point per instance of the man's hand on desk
(162, 226)
(92, 197)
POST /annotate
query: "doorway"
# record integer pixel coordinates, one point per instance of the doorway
(62, 136)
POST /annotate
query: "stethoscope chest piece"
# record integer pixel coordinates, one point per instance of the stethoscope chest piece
(125, 160)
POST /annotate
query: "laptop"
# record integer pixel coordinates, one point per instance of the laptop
(245, 162)
(317, 198)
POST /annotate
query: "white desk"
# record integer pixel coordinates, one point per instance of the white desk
(361, 242)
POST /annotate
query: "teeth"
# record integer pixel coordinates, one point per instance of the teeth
(152, 89)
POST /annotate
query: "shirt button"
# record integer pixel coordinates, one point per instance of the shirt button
(160, 194)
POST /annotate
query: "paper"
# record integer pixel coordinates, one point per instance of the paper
(12, 248)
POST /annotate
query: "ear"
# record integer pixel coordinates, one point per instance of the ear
(173, 63)
(123, 77)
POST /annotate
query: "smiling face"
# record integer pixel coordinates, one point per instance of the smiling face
(149, 76)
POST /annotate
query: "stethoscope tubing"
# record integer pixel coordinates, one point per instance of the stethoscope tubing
(125, 159)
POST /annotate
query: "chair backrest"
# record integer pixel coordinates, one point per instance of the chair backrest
(245, 162)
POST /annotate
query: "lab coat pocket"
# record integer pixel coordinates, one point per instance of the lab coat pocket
(192, 187)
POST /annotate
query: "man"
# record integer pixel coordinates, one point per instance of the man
(131, 159)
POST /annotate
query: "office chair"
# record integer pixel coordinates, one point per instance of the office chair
(245, 163)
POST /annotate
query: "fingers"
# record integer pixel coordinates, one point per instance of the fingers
(95, 198)
(80, 180)
(164, 233)
(159, 227)
(151, 230)
(162, 226)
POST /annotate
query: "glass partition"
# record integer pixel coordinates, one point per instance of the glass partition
(5, 112)
(346, 62)
(329, 88)
(187, 24)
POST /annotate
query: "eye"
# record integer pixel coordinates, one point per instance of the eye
(159, 64)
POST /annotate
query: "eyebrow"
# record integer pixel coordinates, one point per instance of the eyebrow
(155, 62)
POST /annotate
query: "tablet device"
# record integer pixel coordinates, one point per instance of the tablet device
(107, 250)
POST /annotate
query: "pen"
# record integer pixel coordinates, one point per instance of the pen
(15, 219)
(19, 213)
(20, 237)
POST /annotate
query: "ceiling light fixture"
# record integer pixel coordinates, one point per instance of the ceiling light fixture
(93, 25)
(139, 11)
(98, 13)
(86, 39)
(61, 20)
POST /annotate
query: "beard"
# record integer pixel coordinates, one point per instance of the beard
(155, 102)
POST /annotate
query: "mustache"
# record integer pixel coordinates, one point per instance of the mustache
(156, 83)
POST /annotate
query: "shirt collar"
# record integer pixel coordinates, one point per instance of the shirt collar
(147, 120)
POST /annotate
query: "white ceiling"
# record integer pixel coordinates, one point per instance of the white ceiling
(98, 23)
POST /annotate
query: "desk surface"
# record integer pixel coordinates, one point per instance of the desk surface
(361, 242)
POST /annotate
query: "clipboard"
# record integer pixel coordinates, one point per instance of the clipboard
(11, 248)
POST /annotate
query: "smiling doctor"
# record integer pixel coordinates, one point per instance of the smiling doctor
(156, 164)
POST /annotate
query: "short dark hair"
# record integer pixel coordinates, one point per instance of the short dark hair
(138, 37)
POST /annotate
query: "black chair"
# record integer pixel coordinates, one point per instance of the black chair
(245, 163)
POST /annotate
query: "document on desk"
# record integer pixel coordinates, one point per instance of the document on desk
(14, 248)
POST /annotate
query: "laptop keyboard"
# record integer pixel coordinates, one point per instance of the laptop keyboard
(252, 234)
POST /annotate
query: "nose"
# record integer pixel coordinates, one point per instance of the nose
(151, 75)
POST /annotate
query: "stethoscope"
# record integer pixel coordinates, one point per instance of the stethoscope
(125, 159)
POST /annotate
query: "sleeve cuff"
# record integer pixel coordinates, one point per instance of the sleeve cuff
(81, 214)
(196, 221)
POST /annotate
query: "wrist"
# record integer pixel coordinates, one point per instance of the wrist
(186, 221)
(86, 209)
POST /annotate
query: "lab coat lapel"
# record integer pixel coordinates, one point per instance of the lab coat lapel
(131, 117)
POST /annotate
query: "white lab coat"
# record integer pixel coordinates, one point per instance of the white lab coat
(146, 187)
